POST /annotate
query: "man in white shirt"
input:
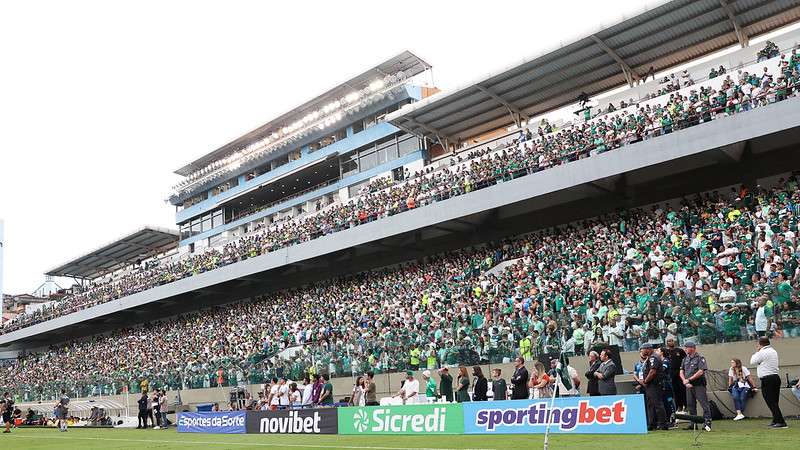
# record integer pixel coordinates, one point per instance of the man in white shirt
(410, 390)
(616, 333)
(307, 391)
(274, 394)
(283, 394)
(763, 317)
(766, 358)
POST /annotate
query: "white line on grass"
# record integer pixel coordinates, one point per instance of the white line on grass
(251, 444)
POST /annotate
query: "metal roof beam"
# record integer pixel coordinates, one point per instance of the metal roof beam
(744, 39)
(512, 108)
(630, 75)
(441, 137)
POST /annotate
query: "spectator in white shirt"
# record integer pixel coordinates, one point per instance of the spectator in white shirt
(726, 294)
(308, 389)
(410, 390)
(766, 360)
(274, 395)
(740, 383)
(763, 317)
(295, 397)
(283, 394)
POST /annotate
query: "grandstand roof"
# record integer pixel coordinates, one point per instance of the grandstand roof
(406, 61)
(143, 243)
(662, 37)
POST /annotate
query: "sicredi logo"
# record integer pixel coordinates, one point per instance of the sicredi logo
(206, 422)
(566, 418)
(384, 420)
(293, 423)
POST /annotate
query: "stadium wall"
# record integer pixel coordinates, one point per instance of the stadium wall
(717, 356)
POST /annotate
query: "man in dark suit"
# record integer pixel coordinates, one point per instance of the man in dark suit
(594, 364)
(519, 381)
(605, 374)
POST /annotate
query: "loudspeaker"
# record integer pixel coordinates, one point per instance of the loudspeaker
(613, 351)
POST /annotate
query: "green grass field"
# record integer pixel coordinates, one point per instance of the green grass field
(726, 434)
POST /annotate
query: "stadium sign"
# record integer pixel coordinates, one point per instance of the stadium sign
(300, 421)
(408, 419)
(231, 422)
(617, 414)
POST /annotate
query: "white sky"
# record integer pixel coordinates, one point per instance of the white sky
(100, 101)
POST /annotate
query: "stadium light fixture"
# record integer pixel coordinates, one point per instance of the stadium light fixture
(376, 85)
(316, 120)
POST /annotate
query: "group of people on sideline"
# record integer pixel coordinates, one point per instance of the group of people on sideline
(673, 380)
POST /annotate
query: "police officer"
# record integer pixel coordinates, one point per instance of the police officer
(693, 376)
(653, 373)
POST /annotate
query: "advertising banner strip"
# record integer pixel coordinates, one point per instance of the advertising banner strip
(443, 418)
(297, 421)
(229, 422)
(617, 414)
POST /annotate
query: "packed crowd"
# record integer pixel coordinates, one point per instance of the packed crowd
(714, 268)
(530, 153)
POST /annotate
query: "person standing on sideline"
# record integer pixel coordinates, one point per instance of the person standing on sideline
(693, 376)
(156, 410)
(409, 393)
(357, 394)
(462, 392)
(481, 388)
(430, 386)
(7, 408)
(740, 383)
(163, 408)
(326, 397)
(499, 387)
(63, 407)
(766, 360)
(142, 402)
(519, 381)
(675, 355)
(591, 378)
(604, 375)
(446, 384)
(308, 387)
(370, 394)
(653, 372)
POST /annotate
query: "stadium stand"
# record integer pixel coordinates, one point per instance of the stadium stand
(717, 267)
(756, 86)
(693, 270)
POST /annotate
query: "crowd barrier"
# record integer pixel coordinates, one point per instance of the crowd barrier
(619, 414)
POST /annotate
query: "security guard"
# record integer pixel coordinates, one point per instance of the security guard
(693, 376)
(653, 373)
(414, 355)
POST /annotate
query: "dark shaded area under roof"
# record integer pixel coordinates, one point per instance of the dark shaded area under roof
(141, 244)
(663, 37)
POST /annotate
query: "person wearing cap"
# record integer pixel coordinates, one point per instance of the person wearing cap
(445, 384)
(409, 393)
(651, 382)
(430, 387)
(693, 370)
